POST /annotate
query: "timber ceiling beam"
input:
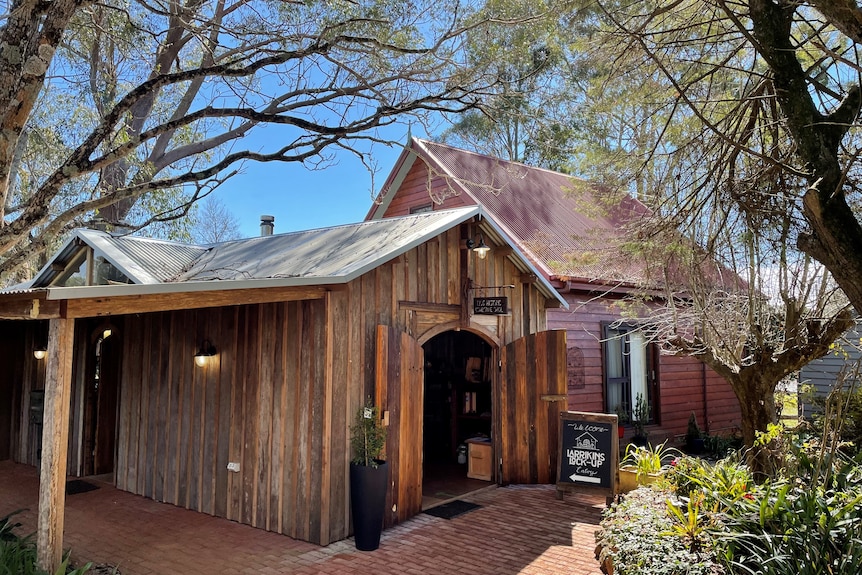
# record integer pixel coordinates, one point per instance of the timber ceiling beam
(149, 303)
(31, 306)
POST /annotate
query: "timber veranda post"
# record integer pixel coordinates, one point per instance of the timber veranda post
(55, 435)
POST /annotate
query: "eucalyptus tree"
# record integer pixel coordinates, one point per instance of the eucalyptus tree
(124, 105)
(740, 298)
(528, 117)
(700, 129)
(751, 77)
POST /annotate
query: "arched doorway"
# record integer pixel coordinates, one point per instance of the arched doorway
(458, 408)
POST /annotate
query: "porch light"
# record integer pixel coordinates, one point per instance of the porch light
(481, 248)
(40, 353)
(207, 350)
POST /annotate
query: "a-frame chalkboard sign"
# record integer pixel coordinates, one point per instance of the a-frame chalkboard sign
(589, 454)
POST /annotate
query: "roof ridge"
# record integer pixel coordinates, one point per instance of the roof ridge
(501, 160)
(337, 226)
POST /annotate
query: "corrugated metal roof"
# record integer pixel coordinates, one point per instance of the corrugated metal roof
(144, 260)
(314, 257)
(571, 228)
(337, 252)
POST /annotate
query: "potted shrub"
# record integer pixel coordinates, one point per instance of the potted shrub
(644, 465)
(622, 420)
(640, 418)
(693, 436)
(369, 476)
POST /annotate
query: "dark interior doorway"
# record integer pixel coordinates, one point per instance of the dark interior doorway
(101, 401)
(457, 409)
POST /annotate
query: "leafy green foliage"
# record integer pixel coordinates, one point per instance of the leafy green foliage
(792, 528)
(649, 459)
(848, 404)
(638, 535)
(18, 554)
(806, 520)
(725, 480)
(367, 436)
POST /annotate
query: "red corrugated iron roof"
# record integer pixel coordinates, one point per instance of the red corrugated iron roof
(572, 228)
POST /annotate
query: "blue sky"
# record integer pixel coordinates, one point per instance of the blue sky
(301, 198)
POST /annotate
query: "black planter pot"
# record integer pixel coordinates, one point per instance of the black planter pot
(694, 445)
(368, 503)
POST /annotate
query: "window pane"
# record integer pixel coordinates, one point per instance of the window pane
(614, 347)
(637, 351)
(105, 273)
(75, 274)
(616, 402)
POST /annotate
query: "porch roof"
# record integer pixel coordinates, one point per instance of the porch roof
(325, 256)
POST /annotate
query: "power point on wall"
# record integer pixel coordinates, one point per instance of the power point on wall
(233, 466)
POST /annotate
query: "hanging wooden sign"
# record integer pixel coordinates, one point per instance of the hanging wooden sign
(498, 305)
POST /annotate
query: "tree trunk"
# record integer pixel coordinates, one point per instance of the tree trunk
(757, 406)
(835, 237)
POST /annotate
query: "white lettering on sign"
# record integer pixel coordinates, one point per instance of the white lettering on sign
(588, 427)
(491, 305)
(581, 457)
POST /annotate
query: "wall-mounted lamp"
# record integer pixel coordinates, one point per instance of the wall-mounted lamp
(481, 248)
(207, 350)
(40, 353)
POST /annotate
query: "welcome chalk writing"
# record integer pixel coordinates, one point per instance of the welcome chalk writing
(587, 443)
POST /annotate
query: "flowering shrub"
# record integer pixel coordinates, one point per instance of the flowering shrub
(638, 536)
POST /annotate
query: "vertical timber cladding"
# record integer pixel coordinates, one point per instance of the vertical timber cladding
(533, 394)
(261, 402)
(399, 389)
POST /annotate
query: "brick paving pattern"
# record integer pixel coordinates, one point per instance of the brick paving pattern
(518, 530)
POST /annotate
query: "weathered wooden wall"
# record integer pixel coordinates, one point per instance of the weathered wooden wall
(24, 373)
(280, 394)
(12, 350)
(681, 379)
(268, 401)
(532, 395)
(419, 187)
(399, 392)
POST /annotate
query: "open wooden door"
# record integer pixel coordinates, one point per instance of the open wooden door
(532, 396)
(399, 388)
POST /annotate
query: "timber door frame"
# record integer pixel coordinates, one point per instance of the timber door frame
(399, 385)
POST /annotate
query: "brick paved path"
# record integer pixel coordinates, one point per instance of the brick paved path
(518, 530)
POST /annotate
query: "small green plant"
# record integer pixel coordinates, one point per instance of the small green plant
(648, 459)
(693, 431)
(721, 483)
(640, 417)
(367, 436)
(689, 522)
(18, 554)
(622, 414)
